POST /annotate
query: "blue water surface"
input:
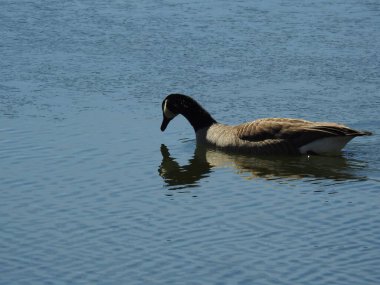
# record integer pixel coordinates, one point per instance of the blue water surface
(91, 192)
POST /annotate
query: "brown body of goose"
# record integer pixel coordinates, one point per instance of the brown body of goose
(262, 136)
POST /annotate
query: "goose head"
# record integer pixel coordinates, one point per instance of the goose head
(175, 104)
(170, 109)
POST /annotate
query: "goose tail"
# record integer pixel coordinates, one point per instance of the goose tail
(364, 133)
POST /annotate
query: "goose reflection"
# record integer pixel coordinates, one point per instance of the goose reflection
(187, 175)
(200, 165)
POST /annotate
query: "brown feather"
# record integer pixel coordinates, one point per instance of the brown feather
(294, 131)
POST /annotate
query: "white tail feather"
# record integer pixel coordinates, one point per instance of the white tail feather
(330, 145)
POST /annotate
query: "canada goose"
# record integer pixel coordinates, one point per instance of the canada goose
(262, 136)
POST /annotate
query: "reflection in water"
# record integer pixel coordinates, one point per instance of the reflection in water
(317, 168)
(183, 176)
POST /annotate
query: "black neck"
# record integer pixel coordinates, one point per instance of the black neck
(197, 116)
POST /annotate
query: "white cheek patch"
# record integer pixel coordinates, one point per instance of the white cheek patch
(168, 114)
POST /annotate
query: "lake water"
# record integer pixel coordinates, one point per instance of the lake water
(91, 192)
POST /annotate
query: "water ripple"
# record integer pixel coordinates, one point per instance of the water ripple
(92, 192)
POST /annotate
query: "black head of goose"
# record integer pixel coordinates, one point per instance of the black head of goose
(262, 136)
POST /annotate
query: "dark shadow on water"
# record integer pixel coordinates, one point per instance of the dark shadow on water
(283, 168)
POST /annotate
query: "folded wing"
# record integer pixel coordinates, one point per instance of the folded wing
(291, 133)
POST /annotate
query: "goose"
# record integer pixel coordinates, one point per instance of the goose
(263, 136)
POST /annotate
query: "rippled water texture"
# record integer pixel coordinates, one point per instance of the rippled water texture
(91, 192)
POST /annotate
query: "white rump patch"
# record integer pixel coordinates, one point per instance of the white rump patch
(330, 145)
(168, 114)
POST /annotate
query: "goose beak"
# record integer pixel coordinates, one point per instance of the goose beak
(165, 123)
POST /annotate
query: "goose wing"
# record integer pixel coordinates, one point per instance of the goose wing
(295, 131)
